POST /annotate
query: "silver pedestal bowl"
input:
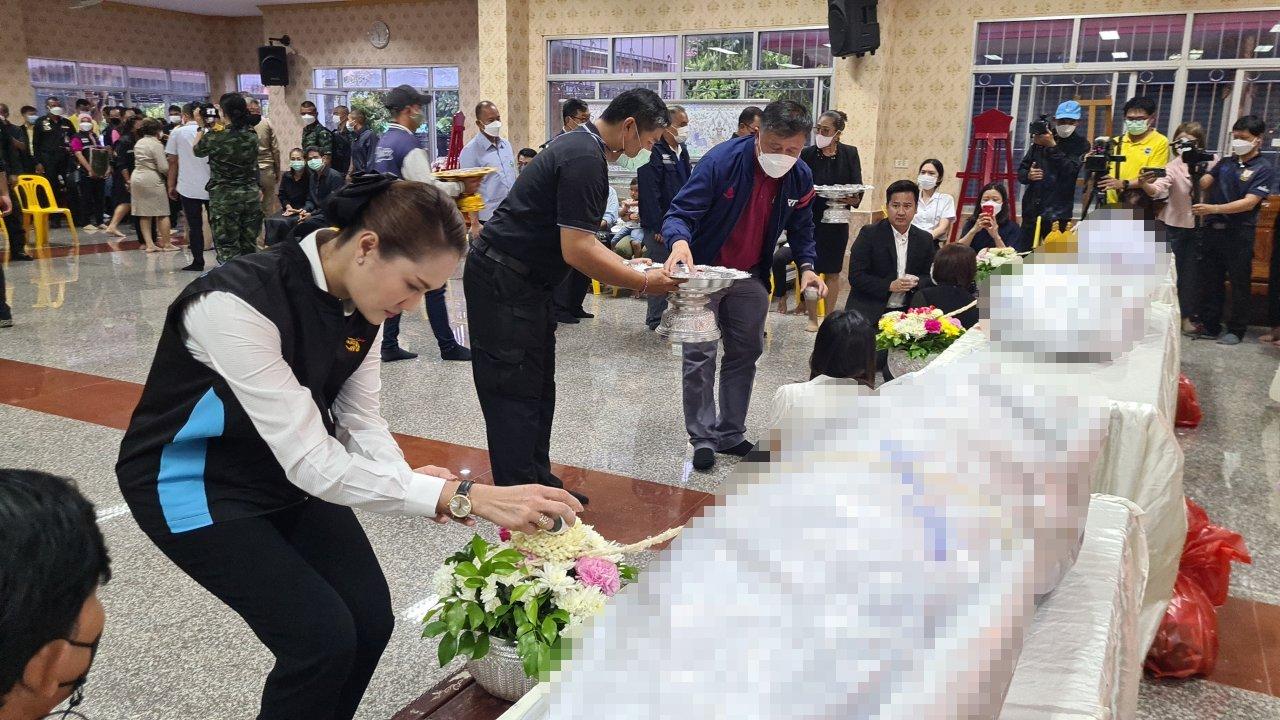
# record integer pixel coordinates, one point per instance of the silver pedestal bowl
(687, 318)
(838, 209)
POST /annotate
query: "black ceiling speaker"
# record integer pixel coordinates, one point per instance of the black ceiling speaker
(854, 30)
(273, 62)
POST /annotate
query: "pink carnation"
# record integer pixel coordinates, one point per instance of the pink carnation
(504, 534)
(932, 326)
(599, 573)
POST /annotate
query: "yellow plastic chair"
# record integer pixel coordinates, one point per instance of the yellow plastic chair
(29, 189)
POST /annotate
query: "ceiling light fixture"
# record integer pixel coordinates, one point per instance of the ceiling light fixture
(789, 66)
(1120, 55)
(995, 58)
(1109, 34)
(1275, 28)
(723, 51)
(1264, 48)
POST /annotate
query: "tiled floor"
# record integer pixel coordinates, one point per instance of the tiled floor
(88, 321)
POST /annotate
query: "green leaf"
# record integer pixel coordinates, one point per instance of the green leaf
(478, 546)
(466, 644)
(473, 582)
(544, 660)
(529, 661)
(476, 614)
(456, 617)
(434, 628)
(466, 570)
(482, 647)
(629, 573)
(448, 649)
(459, 557)
(508, 556)
(519, 593)
(561, 616)
(549, 630)
(531, 609)
(523, 628)
(501, 568)
(501, 610)
(433, 612)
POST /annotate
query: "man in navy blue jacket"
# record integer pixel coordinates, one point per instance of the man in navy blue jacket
(660, 179)
(742, 195)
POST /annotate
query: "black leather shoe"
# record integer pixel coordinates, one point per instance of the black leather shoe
(583, 314)
(397, 353)
(21, 256)
(458, 353)
(704, 459)
(741, 449)
(567, 319)
(194, 268)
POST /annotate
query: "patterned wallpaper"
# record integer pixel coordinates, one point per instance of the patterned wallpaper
(428, 32)
(15, 88)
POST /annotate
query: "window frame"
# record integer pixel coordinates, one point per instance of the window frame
(76, 89)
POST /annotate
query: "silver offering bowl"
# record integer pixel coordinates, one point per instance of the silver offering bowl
(838, 209)
(687, 318)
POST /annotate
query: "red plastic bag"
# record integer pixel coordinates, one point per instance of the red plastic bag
(1189, 412)
(1187, 642)
(1207, 555)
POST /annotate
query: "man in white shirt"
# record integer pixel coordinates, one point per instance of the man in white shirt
(488, 149)
(188, 176)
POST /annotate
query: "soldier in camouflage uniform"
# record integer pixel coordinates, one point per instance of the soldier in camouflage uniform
(235, 208)
(313, 133)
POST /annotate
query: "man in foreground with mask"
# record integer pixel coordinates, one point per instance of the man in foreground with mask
(742, 195)
(52, 561)
(547, 225)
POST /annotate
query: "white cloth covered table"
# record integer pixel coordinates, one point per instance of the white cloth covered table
(1083, 656)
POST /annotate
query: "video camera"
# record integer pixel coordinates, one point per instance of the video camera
(1100, 157)
(1041, 126)
(1191, 155)
(209, 112)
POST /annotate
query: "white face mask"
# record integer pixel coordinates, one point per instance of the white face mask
(1066, 131)
(927, 182)
(175, 119)
(32, 119)
(351, 126)
(308, 119)
(337, 121)
(1240, 148)
(56, 110)
(775, 165)
(86, 127)
(823, 141)
(493, 129)
(995, 206)
(682, 135)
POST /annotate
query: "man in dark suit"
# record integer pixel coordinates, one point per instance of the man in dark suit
(891, 259)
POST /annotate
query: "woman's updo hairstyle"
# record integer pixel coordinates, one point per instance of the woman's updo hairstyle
(412, 219)
(235, 110)
(838, 118)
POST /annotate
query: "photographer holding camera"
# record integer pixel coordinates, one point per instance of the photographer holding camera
(1049, 170)
(1236, 188)
(1179, 188)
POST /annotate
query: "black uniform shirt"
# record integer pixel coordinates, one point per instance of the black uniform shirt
(566, 185)
(53, 137)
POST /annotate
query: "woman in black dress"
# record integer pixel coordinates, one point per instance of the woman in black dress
(954, 269)
(121, 173)
(833, 163)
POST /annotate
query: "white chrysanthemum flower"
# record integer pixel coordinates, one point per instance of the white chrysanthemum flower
(580, 602)
(442, 581)
(489, 594)
(554, 576)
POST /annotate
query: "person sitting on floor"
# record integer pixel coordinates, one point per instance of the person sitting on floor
(844, 355)
(954, 269)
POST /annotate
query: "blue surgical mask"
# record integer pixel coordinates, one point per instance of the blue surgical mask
(296, 165)
(315, 164)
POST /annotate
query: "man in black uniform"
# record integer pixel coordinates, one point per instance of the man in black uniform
(546, 225)
(340, 158)
(52, 139)
(11, 163)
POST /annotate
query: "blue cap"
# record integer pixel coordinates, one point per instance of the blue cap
(1070, 110)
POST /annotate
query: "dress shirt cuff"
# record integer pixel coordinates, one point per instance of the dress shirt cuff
(423, 495)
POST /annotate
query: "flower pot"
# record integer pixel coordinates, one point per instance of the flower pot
(500, 672)
(900, 364)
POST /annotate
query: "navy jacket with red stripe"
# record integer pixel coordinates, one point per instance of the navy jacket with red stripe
(706, 209)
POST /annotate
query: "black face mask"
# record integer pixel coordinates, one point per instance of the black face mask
(254, 119)
(77, 685)
(113, 121)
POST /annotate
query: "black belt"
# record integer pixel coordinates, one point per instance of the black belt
(480, 246)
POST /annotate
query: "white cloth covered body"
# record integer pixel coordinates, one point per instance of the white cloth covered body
(873, 571)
